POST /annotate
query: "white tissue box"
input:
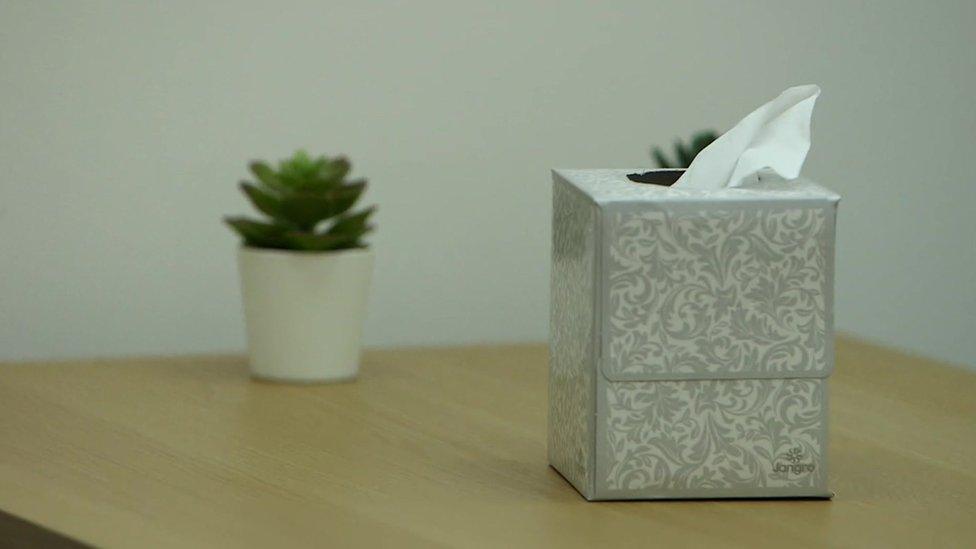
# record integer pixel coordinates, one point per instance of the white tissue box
(691, 337)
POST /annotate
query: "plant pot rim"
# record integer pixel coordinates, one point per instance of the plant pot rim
(311, 254)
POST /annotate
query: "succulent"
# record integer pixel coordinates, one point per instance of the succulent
(307, 202)
(683, 153)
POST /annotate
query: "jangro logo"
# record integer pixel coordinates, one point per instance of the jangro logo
(792, 462)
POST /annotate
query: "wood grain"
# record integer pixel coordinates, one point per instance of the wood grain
(440, 447)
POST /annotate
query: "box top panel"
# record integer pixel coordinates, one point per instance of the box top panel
(607, 186)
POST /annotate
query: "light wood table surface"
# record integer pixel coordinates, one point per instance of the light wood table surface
(441, 447)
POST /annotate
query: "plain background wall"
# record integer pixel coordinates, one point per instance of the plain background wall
(124, 127)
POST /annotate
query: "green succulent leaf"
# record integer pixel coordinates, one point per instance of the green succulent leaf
(264, 201)
(265, 174)
(661, 159)
(352, 226)
(259, 234)
(352, 221)
(347, 195)
(334, 171)
(701, 140)
(684, 154)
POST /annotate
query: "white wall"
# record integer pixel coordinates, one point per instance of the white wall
(124, 127)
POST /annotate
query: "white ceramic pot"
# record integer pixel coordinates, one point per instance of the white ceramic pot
(304, 312)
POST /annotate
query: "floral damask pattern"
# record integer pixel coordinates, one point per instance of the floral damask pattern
(676, 436)
(571, 368)
(736, 290)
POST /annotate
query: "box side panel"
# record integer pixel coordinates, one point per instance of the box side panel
(572, 336)
(828, 247)
(712, 439)
(718, 291)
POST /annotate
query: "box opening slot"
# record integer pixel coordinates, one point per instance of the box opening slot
(664, 178)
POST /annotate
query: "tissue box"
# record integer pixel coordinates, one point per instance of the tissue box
(691, 337)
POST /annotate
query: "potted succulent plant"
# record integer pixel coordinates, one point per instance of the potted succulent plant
(305, 270)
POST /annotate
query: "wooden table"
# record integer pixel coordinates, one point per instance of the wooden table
(440, 447)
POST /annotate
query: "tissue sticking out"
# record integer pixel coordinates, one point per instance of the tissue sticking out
(773, 138)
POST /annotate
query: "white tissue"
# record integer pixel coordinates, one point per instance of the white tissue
(773, 138)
